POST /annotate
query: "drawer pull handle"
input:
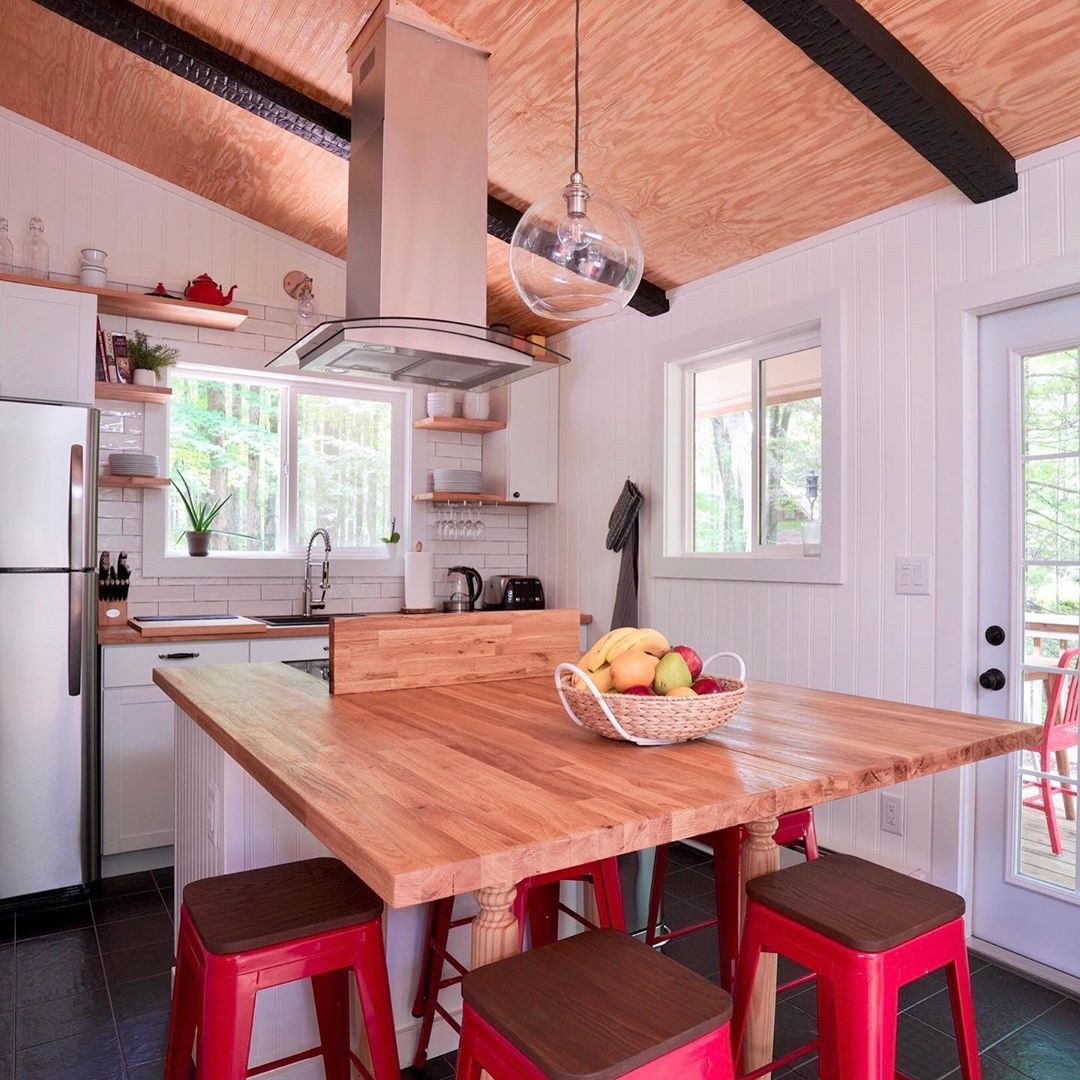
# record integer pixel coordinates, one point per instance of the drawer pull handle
(178, 655)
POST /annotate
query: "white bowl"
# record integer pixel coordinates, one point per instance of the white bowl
(476, 406)
(440, 404)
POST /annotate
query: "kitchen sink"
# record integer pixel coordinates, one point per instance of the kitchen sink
(293, 620)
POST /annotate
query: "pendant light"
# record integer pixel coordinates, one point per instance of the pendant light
(576, 254)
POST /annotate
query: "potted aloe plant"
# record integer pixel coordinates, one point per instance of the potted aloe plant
(202, 516)
(149, 363)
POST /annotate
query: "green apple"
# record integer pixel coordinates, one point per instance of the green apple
(672, 671)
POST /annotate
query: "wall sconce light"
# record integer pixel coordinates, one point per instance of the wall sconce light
(301, 288)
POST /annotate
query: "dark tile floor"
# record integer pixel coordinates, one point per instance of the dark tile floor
(84, 993)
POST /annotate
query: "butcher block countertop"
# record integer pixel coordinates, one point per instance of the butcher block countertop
(127, 635)
(435, 791)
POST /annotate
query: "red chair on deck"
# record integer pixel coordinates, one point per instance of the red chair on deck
(1059, 736)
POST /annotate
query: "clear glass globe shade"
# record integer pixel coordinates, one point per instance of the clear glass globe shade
(574, 267)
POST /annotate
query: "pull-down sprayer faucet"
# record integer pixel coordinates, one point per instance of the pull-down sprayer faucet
(309, 604)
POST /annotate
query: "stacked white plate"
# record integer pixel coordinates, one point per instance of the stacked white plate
(134, 464)
(463, 480)
(441, 403)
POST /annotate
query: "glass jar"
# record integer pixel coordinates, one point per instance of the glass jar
(7, 249)
(36, 250)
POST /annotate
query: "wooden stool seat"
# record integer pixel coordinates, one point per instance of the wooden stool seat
(595, 1005)
(856, 903)
(255, 909)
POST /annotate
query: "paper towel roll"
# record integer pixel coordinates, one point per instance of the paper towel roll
(419, 580)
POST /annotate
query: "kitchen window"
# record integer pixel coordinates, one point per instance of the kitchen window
(292, 454)
(752, 463)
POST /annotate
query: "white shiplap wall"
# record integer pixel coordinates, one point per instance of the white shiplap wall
(859, 636)
(152, 230)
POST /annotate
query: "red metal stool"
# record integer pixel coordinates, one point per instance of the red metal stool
(241, 933)
(598, 1005)
(538, 903)
(865, 931)
(727, 871)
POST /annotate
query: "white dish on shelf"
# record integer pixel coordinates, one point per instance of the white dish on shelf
(441, 403)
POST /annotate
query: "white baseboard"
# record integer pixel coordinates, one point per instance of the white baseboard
(1030, 969)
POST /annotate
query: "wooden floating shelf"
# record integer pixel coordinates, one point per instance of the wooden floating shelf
(133, 305)
(458, 423)
(465, 496)
(105, 391)
(108, 480)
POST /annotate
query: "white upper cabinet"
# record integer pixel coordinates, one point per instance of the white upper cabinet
(521, 462)
(47, 343)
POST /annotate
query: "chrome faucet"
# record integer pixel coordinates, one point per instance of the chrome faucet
(309, 604)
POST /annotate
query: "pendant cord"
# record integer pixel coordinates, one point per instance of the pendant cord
(577, 81)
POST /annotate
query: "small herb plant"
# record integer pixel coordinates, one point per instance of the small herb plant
(149, 357)
(394, 536)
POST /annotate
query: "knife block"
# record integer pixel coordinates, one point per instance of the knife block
(112, 613)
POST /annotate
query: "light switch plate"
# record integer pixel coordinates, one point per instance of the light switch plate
(913, 575)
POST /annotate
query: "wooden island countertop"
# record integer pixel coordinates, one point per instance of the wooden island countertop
(436, 791)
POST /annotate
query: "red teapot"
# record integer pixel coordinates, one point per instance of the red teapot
(205, 290)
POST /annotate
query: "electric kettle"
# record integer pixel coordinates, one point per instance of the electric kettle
(463, 588)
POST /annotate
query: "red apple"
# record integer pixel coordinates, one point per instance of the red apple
(707, 685)
(640, 691)
(693, 661)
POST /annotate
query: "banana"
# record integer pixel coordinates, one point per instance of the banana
(624, 644)
(592, 659)
(654, 642)
(601, 680)
(615, 642)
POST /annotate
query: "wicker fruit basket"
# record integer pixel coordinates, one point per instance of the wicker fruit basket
(650, 721)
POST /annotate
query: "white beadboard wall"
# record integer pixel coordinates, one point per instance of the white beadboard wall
(154, 231)
(859, 636)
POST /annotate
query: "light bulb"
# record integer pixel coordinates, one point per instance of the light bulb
(576, 231)
(306, 306)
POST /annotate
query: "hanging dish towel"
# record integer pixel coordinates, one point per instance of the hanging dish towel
(623, 536)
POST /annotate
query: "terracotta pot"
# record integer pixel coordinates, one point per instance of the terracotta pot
(198, 543)
(143, 377)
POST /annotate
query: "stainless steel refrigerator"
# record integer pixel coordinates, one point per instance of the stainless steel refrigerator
(48, 692)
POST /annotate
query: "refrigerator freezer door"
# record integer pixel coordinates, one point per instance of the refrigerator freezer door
(48, 758)
(48, 465)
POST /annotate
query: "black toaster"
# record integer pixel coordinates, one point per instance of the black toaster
(505, 592)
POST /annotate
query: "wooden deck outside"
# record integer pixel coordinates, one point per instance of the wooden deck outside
(1037, 860)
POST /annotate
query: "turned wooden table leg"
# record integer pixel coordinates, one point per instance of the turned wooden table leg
(495, 934)
(760, 855)
(1068, 797)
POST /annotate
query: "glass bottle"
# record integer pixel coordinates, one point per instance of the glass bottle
(36, 250)
(7, 249)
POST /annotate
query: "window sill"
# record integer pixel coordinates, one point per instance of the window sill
(799, 569)
(259, 566)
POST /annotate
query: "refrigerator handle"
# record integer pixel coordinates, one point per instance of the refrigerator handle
(76, 562)
(76, 509)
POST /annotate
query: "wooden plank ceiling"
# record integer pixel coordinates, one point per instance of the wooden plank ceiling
(720, 136)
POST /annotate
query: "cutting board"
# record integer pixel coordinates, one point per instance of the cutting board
(200, 628)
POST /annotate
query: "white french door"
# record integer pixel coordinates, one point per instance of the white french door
(1026, 896)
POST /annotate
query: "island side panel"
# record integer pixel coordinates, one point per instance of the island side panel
(227, 822)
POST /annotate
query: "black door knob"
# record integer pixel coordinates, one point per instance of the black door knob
(995, 635)
(992, 679)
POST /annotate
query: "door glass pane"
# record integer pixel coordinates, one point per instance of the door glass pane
(1051, 392)
(791, 445)
(344, 456)
(1050, 478)
(723, 457)
(224, 438)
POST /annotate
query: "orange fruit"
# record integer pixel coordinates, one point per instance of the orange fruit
(635, 667)
(680, 691)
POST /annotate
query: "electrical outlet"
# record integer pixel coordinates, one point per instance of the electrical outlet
(213, 806)
(892, 814)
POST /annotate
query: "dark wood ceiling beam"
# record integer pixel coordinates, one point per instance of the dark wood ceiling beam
(845, 40)
(153, 38)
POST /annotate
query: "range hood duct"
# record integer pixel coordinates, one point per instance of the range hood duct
(416, 265)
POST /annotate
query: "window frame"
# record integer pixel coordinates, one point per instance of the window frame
(816, 321)
(159, 561)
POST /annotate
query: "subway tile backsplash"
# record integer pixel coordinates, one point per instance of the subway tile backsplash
(504, 549)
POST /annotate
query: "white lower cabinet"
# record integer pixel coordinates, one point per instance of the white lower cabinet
(137, 753)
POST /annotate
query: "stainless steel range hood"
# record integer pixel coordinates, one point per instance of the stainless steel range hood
(416, 266)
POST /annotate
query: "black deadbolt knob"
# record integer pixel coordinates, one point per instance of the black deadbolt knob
(992, 679)
(995, 635)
